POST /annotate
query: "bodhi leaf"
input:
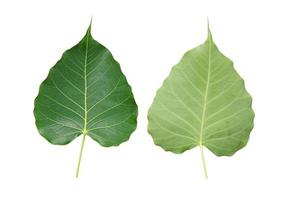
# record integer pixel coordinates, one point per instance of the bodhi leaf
(86, 93)
(203, 102)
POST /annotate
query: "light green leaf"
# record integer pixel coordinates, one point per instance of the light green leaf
(203, 102)
(86, 93)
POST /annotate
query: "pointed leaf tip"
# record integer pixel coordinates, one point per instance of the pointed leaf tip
(209, 36)
(91, 21)
(207, 19)
(88, 31)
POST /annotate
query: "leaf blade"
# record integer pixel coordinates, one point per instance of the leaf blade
(86, 81)
(199, 96)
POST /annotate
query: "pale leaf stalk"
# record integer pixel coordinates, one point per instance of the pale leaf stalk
(203, 161)
(80, 154)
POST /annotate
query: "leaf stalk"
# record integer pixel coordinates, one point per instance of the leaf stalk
(80, 154)
(203, 161)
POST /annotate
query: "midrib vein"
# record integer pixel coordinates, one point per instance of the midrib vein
(206, 92)
(85, 84)
(84, 131)
(204, 106)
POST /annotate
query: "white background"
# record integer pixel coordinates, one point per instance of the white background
(148, 38)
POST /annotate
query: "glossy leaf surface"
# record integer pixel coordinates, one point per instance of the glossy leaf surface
(86, 93)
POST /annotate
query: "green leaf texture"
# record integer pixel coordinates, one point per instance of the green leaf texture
(86, 93)
(203, 102)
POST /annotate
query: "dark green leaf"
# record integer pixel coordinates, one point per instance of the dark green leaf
(86, 93)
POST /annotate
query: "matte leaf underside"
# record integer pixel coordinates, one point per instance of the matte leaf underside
(86, 93)
(203, 102)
